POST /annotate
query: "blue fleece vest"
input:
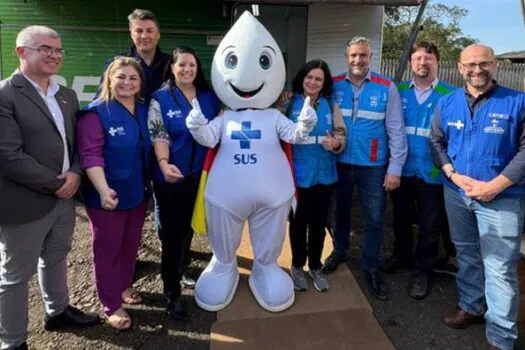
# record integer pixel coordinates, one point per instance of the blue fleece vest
(127, 150)
(185, 152)
(481, 147)
(418, 118)
(312, 164)
(367, 141)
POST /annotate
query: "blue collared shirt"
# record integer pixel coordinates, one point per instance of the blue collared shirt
(423, 94)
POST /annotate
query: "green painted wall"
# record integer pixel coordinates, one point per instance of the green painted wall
(92, 31)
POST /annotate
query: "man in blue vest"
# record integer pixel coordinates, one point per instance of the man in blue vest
(420, 182)
(373, 160)
(478, 140)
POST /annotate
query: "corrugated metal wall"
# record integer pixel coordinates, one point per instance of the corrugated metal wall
(93, 31)
(511, 75)
(331, 26)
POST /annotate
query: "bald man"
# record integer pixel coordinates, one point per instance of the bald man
(478, 140)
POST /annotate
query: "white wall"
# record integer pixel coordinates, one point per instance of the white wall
(331, 26)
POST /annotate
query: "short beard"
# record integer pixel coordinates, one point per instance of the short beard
(360, 72)
(422, 75)
(487, 78)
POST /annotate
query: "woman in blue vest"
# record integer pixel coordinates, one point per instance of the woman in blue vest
(314, 164)
(114, 149)
(178, 167)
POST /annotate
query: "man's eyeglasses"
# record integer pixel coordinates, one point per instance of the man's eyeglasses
(485, 65)
(45, 50)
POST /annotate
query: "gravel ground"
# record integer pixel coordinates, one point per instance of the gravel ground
(410, 324)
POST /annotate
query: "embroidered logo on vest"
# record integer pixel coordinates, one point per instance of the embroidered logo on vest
(171, 113)
(494, 128)
(458, 124)
(119, 130)
(328, 117)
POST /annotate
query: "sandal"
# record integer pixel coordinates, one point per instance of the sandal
(119, 320)
(131, 297)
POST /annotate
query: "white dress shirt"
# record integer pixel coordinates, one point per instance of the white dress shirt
(56, 112)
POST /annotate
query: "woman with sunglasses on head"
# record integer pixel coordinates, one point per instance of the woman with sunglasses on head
(178, 167)
(114, 150)
(314, 164)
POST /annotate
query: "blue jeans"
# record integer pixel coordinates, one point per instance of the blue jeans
(487, 239)
(372, 197)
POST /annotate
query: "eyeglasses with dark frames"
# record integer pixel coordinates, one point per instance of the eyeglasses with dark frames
(471, 66)
(45, 50)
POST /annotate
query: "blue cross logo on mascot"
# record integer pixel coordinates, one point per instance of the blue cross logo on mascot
(248, 75)
(245, 135)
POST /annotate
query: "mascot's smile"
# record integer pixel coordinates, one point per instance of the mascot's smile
(248, 68)
(246, 94)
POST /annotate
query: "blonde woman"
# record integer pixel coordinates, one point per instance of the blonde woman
(114, 150)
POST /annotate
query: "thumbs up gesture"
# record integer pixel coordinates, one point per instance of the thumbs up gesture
(330, 143)
(195, 118)
(307, 117)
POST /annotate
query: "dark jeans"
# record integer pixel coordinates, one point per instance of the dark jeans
(175, 203)
(429, 200)
(309, 220)
(372, 197)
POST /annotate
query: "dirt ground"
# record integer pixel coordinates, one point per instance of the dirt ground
(152, 329)
(409, 324)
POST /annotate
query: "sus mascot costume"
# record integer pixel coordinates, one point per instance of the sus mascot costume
(250, 179)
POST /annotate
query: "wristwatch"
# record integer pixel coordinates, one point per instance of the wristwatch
(449, 174)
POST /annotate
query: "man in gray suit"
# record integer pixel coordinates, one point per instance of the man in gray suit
(39, 174)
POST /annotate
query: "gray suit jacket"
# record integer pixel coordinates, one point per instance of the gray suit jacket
(31, 150)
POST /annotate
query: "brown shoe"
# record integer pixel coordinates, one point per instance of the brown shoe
(460, 319)
(492, 347)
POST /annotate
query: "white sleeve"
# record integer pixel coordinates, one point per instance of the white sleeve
(208, 135)
(291, 132)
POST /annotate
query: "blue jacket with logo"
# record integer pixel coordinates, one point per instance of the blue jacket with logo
(367, 143)
(185, 153)
(481, 147)
(127, 154)
(418, 118)
(312, 164)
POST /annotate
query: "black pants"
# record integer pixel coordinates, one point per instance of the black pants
(450, 250)
(175, 202)
(310, 220)
(429, 199)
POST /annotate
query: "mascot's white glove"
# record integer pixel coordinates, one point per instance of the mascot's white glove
(195, 118)
(206, 134)
(307, 119)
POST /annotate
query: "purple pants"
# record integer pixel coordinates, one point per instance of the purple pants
(116, 240)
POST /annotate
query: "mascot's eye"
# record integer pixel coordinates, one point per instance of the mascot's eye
(264, 61)
(231, 61)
